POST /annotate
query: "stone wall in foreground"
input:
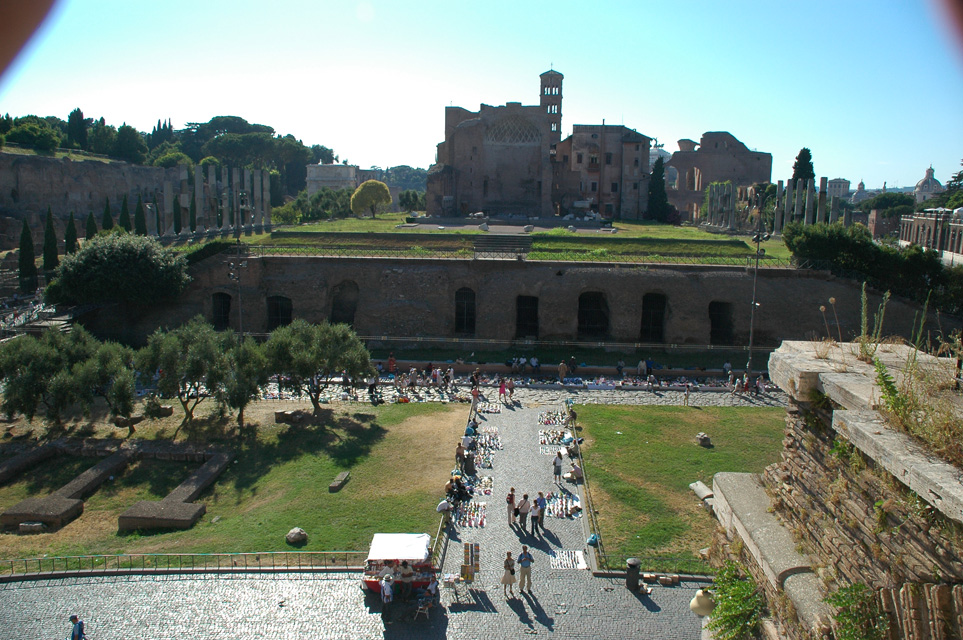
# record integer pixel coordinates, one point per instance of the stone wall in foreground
(866, 502)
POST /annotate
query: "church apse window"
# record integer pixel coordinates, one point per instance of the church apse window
(653, 318)
(593, 315)
(344, 303)
(465, 311)
(720, 323)
(526, 317)
(220, 311)
(279, 310)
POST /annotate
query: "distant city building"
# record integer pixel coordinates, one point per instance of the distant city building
(861, 193)
(838, 188)
(927, 187)
(720, 157)
(937, 229)
(336, 176)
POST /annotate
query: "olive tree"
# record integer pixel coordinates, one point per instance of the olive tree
(370, 196)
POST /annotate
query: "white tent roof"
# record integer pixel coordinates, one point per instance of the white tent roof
(400, 546)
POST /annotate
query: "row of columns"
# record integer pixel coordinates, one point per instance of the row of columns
(246, 192)
(801, 203)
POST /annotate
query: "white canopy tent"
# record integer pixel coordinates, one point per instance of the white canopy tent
(400, 546)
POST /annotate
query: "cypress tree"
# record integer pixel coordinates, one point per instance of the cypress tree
(140, 222)
(50, 259)
(658, 208)
(192, 220)
(91, 230)
(107, 221)
(802, 169)
(157, 218)
(177, 215)
(70, 236)
(27, 264)
(124, 221)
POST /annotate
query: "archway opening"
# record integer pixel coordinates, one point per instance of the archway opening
(220, 311)
(279, 311)
(344, 302)
(465, 311)
(720, 323)
(653, 318)
(593, 315)
(526, 317)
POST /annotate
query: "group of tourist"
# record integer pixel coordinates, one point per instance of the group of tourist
(524, 561)
(396, 584)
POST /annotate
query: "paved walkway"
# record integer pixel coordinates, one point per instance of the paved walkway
(567, 603)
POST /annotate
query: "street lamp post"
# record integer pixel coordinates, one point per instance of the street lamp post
(234, 273)
(758, 238)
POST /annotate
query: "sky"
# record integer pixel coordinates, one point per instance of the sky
(873, 88)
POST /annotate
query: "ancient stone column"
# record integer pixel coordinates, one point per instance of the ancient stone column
(199, 195)
(168, 215)
(212, 199)
(777, 210)
(821, 210)
(235, 194)
(787, 204)
(257, 219)
(266, 179)
(810, 191)
(797, 211)
(732, 207)
(834, 210)
(848, 218)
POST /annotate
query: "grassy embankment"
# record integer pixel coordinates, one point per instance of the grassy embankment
(279, 481)
(641, 460)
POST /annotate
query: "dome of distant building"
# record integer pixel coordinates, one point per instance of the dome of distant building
(927, 187)
(861, 193)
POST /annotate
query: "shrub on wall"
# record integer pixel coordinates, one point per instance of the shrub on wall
(739, 604)
(858, 616)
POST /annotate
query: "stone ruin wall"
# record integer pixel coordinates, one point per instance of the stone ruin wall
(31, 184)
(862, 501)
(407, 297)
(863, 525)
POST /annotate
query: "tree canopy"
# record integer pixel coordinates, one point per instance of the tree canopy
(305, 355)
(802, 169)
(50, 258)
(119, 267)
(70, 235)
(27, 261)
(370, 197)
(658, 206)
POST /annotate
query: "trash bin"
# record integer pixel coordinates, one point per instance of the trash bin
(632, 574)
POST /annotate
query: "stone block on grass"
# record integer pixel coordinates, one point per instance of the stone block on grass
(339, 481)
(55, 511)
(160, 514)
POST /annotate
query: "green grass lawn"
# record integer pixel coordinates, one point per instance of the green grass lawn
(640, 461)
(279, 481)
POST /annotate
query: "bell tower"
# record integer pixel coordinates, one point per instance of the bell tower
(550, 99)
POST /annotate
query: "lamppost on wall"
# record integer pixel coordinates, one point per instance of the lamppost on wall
(234, 273)
(759, 237)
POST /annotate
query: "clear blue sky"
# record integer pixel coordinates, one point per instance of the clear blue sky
(875, 89)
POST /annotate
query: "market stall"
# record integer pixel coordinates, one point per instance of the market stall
(390, 550)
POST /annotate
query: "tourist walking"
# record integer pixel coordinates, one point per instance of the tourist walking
(77, 630)
(510, 499)
(523, 508)
(460, 456)
(562, 371)
(510, 385)
(557, 467)
(535, 514)
(685, 401)
(542, 504)
(501, 391)
(508, 579)
(525, 561)
(387, 596)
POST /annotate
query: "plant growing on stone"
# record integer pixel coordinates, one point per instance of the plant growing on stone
(869, 342)
(858, 615)
(739, 604)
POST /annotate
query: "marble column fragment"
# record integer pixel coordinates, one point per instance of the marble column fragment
(834, 210)
(848, 218)
(213, 201)
(235, 195)
(777, 210)
(266, 198)
(821, 208)
(168, 217)
(787, 204)
(810, 192)
(732, 207)
(798, 208)
(258, 218)
(199, 196)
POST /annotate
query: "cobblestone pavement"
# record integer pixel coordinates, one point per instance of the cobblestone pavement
(567, 603)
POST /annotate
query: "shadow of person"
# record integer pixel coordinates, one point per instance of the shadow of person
(516, 605)
(541, 617)
(550, 538)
